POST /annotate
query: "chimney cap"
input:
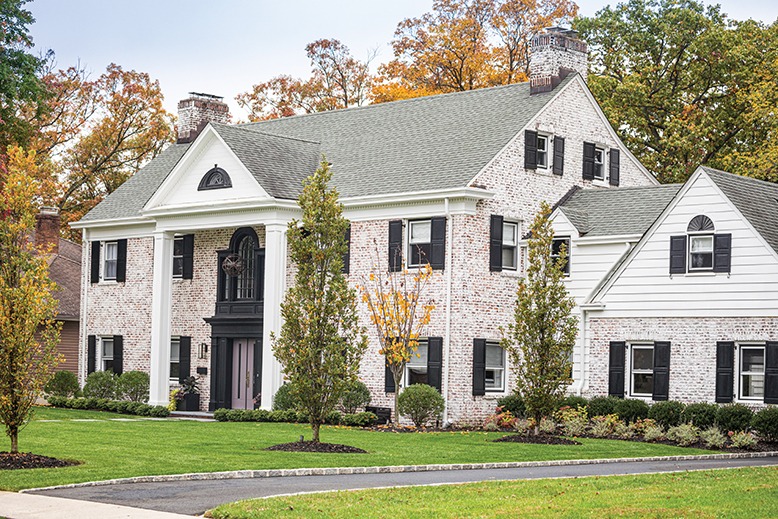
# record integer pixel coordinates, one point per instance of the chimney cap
(206, 96)
(562, 30)
(49, 210)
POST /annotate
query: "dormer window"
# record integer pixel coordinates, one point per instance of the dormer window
(215, 178)
(701, 249)
(700, 231)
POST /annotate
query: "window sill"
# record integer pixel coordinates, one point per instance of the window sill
(107, 282)
(511, 273)
(700, 274)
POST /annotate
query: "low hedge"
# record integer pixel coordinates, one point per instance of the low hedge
(111, 406)
(263, 415)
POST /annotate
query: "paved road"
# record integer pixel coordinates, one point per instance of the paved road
(194, 497)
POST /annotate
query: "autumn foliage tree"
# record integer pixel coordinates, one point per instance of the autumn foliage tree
(28, 332)
(321, 342)
(338, 80)
(541, 338)
(397, 310)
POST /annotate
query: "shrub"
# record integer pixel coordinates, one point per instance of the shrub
(639, 426)
(100, 384)
(501, 419)
(713, 438)
(602, 405)
(743, 440)
(363, 419)
(734, 417)
(421, 403)
(513, 403)
(57, 401)
(522, 425)
(574, 420)
(574, 402)
(547, 425)
(702, 415)
(623, 430)
(259, 415)
(685, 434)
(631, 410)
(667, 414)
(765, 423)
(63, 383)
(159, 411)
(356, 396)
(603, 425)
(284, 400)
(653, 433)
(220, 415)
(133, 386)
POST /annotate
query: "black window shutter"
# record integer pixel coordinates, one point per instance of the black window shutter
(588, 161)
(725, 372)
(616, 369)
(495, 243)
(771, 373)
(121, 260)
(559, 156)
(661, 371)
(530, 149)
(94, 276)
(438, 243)
(677, 254)
(188, 267)
(614, 167)
(91, 353)
(435, 362)
(118, 354)
(722, 252)
(347, 255)
(395, 245)
(184, 358)
(388, 381)
(479, 367)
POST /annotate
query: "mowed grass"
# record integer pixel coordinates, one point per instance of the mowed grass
(110, 449)
(746, 493)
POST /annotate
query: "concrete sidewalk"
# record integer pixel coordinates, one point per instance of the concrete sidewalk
(29, 506)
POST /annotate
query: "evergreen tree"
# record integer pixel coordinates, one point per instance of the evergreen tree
(321, 342)
(540, 341)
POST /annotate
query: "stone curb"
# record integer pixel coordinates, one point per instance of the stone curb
(338, 471)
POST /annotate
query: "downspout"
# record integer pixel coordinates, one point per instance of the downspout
(447, 338)
(83, 352)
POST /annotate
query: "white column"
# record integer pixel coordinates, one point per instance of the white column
(161, 303)
(275, 285)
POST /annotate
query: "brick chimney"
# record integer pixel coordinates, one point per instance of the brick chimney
(553, 55)
(47, 229)
(198, 110)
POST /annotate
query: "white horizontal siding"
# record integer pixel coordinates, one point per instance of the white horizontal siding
(646, 289)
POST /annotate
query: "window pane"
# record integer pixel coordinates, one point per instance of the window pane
(178, 266)
(175, 351)
(643, 383)
(174, 369)
(421, 232)
(417, 376)
(753, 360)
(702, 260)
(108, 365)
(420, 254)
(109, 271)
(110, 251)
(509, 233)
(246, 277)
(178, 247)
(493, 378)
(542, 141)
(753, 386)
(494, 356)
(509, 257)
(421, 359)
(643, 358)
(107, 348)
(702, 243)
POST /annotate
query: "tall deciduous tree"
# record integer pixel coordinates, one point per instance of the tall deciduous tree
(541, 338)
(321, 342)
(398, 313)
(28, 332)
(338, 80)
(683, 85)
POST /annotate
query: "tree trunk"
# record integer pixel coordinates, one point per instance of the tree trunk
(315, 428)
(14, 434)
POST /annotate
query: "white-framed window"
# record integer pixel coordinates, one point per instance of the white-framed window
(701, 252)
(556, 248)
(510, 245)
(110, 258)
(599, 163)
(641, 370)
(494, 375)
(419, 242)
(175, 358)
(416, 367)
(543, 142)
(178, 257)
(751, 364)
(106, 353)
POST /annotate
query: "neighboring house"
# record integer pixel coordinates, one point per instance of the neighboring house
(187, 262)
(678, 289)
(64, 259)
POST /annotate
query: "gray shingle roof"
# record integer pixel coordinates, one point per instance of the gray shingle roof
(613, 212)
(130, 197)
(756, 199)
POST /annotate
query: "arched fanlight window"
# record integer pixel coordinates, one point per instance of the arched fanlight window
(700, 223)
(215, 178)
(700, 231)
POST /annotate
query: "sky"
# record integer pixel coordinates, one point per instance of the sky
(223, 47)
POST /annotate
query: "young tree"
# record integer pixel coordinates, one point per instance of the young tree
(540, 341)
(28, 332)
(321, 342)
(394, 302)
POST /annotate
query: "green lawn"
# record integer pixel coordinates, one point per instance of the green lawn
(111, 449)
(746, 493)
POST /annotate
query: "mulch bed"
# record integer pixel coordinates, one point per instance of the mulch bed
(316, 447)
(28, 460)
(543, 439)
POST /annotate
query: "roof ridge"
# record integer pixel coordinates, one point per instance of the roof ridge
(744, 178)
(257, 132)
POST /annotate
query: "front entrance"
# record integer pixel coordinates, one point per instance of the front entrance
(242, 374)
